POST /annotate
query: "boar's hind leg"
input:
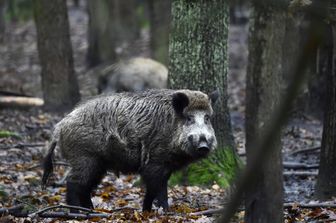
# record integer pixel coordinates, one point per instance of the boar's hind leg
(162, 197)
(85, 175)
(156, 187)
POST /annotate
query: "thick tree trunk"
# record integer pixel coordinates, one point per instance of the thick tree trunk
(326, 181)
(160, 17)
(59, 82)
(113, 25)
(198, 55)
(265, 197)
(199, 60)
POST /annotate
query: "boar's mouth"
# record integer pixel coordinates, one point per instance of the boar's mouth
(202, 150)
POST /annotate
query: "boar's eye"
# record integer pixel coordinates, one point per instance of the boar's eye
(207, 119)
(190, 119)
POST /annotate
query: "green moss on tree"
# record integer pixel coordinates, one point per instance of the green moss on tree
(199, 61)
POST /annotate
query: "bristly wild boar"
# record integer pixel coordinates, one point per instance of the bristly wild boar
(153, 133)
(132, 75)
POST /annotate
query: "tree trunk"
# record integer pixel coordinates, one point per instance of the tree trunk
(326, 180)
(198, 60)
(159, 17)
(113, 25)
(2, 21)
(311, 99)
(264, 199)
(59, 82)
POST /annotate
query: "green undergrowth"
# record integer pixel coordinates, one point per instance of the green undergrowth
(220, 168)
(5, 133)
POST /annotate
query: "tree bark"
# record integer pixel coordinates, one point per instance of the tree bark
(264, 199)
(59, 82)
(2, 21)
(113, 25)
(311, 99)
(199, 61)
(326, 180)
(159, 17)
(199, 58)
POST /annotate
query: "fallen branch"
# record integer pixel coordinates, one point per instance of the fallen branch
(300, 173)
(23, 145)
(293, 165)
(71, 207)
(211, 212)
(11, 210)
(67, 215)
(16, 211)
(314, 149)
(15, 101)
(310, 205)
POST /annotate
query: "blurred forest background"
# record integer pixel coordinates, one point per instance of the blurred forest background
(56, 53)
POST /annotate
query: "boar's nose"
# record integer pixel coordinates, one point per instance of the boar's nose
(191, 138)
(203, 146)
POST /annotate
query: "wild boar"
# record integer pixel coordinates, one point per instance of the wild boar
(136, 74)
(153, 133)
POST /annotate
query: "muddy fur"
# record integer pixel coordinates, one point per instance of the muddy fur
(141, 133)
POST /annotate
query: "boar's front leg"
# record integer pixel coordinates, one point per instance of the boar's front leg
(155, 178)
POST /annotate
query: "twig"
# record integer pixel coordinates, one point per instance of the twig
(211, 212)
(293, 165)
(310, 205)
(73, 215)
(305, 150)
(300, 173)
(39, 212)
(11, 210)
(23, 145)
(59, 163)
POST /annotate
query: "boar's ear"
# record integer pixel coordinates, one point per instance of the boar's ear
(214, 96)
(180, 101)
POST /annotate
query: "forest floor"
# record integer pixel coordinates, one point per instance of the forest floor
(20, 154)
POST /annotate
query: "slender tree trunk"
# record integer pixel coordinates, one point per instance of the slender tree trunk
(198, 60)
(326, 180)
(2, 21)
(311, 99)
(160, 17)
(113, 25)
(265, 197)
(59, 82)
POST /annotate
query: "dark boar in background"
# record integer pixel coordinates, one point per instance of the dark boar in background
(153, 133)
(133, 75)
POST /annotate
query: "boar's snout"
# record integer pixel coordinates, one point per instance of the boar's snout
(202, 144)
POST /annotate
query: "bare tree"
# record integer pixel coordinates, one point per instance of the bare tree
(59, 82)
(2, 20)
(263, 92)
(326, 181)
(113, 25)
(159, 17)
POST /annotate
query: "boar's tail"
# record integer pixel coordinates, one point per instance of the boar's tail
(48, 163)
